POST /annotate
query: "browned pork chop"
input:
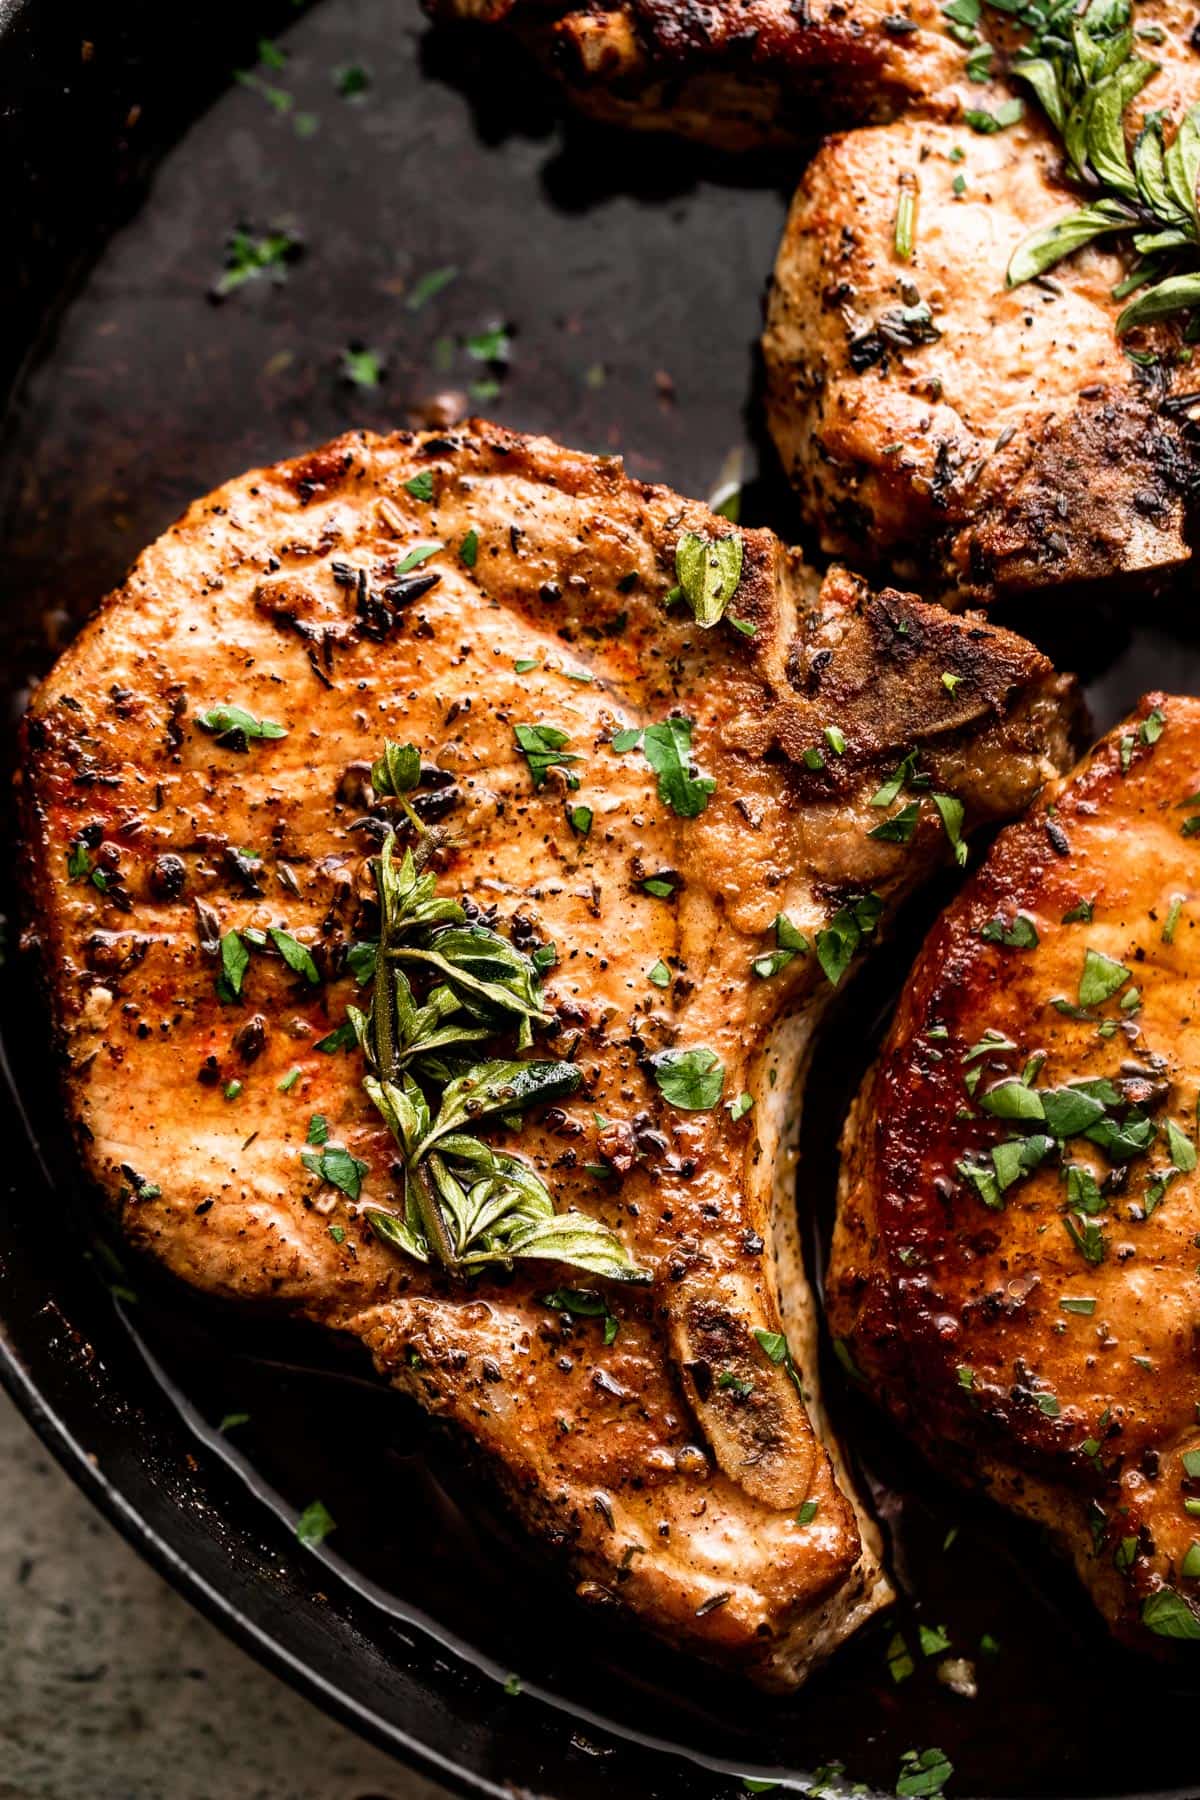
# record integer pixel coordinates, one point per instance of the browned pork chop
(738, 74)
(979, 438)
(1015, 1267)
(974, 439)
(691, 894)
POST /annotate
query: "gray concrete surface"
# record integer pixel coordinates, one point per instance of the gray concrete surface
(113, 1688)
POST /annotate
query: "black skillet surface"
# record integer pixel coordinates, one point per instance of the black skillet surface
(630, 276)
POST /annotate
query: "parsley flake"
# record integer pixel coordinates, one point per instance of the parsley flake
(667, 748)
(362, 367)
(545, 748)
(689, 1079)
(336, 1166)
(416, 556)
(1101, 978)
(314, 1524)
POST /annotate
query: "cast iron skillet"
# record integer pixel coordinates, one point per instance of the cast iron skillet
(631, 276)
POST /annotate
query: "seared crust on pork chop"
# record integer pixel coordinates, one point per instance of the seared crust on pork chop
(739, 76)
(1015, 1268)
(673, 1465)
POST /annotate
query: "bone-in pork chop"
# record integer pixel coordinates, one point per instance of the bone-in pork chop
(1015, 1268)
(981, 438)
(975, 438)
(611, 796)
(737, 74)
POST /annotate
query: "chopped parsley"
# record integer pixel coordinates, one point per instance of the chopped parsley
(493, 345)
(790, 943)
(689, 1079)
(336, 1166)
(584, 1303)
(362, 367)
(1082, 913)
(295, 954)
(667, 748)
(899, 1658)
(839, 942)
(1101, 978)
(351, 81)
(1008, 113)
(1167, 1614)
(250, 258)
(428, 286)
(900, 827)
(545, 748)
(1020, 935)
(905, 775)
(950, 811)
(413, 558)
(314, 1524)
(923, 1773)
(235, 960)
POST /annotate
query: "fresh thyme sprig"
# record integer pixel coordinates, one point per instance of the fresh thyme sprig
(1084, 72)
(465, 1204)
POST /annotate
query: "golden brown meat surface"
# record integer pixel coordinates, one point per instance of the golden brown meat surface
(737, 74)
(676, 1466)
(980, 439)
(1015, 1267)
(975, 439)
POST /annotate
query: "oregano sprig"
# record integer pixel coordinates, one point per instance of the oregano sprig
(1085, 74)
(445, 988)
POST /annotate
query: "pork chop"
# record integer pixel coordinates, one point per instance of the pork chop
(625, 854)
(973, 438)
(739, 76)
(1014, 1270)
(981, 438)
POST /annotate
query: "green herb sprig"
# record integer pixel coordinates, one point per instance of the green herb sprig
(465, 1204)
(1084, 72)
